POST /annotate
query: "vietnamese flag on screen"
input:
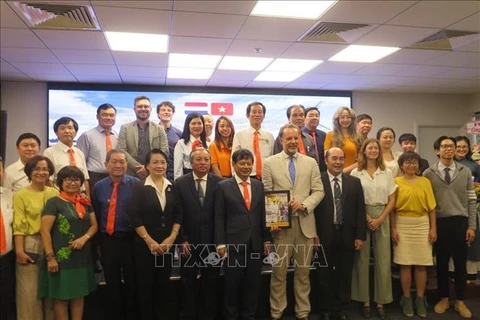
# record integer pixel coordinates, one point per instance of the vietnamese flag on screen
(222, 109)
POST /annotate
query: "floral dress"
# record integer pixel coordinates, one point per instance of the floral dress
(75, 277)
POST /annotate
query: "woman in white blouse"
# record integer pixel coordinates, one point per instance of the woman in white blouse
(193, 137)
(386, 137)
(379, 189)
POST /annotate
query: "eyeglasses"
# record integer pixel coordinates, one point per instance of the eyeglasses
(447, 146)
(411, 163)
(41, 169)
(72, 180)
(462, 147)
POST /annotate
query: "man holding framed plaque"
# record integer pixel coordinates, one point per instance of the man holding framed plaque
(298, 174)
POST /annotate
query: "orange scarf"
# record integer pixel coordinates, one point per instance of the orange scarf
(78, 201)
(197, 144)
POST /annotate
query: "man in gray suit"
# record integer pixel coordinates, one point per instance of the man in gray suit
(137, 138)
(299, 174)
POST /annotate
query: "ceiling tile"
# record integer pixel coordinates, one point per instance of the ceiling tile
(206, 25)
(144, 72)
(394, 81)
(455, 59)
(395, 36)
(19, 38)
(198, 45)
(52, 77)
(140, 59)
(14, 77)
(69, 39)
(473, 64)
(320, 51)
(459, 73)
(356, 78)
(381, 69)
(93, 69)
(317, 78)
(339, 86)
(471, 47)
(6, 67)
(159, 5)
(98, 79)
(471, 23)
(269, 49)
(412, 56)
(305, 85)
(276, 29)
(234, 75)
(226, 7)
(186, 82)
(338, 67)
(144, 80)
(84, 56)
(27, 55)
(421, 71)
(228, 83)
(434, 82)
(8, 17)
(435, 14)
(266, 84)
(134, 20)
(41, 68)
(365, 11)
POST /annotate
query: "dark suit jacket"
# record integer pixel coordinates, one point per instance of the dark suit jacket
(423, 165)
(354, 215)
(307, 143)
(197, 221)
(320, 139)
(145, 210)
(234, 223)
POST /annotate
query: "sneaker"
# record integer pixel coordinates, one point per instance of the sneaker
(463, 311)
(421, 307)
(407, 306)
(441, 306)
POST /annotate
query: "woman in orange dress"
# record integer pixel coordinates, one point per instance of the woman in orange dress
(221, 148)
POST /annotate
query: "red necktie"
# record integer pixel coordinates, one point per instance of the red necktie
(258, 155)
(3, 236)
(112, 209)
(246, 195)
(301, 147)
(71, 156)
(108, 140)
(197, 144)
(314, 136)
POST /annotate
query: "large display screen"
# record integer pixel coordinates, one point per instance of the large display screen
(82, 105)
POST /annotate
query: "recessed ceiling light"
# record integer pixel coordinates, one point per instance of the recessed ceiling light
(275, 76)
(355, 53)
(193, 60)
(137, 42)
(189, 73)
(311, 10)
(293, 65)
(244, 63)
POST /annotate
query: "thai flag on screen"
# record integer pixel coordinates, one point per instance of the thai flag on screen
(198, 107)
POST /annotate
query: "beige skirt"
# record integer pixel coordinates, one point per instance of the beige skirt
(413, 247)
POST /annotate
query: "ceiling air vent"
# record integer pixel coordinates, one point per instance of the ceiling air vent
(57, 16)
(330, 32)
(442, 40)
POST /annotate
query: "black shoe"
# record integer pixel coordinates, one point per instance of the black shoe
(381, 313)
(366, 312)
(325, 316)
(304, 318)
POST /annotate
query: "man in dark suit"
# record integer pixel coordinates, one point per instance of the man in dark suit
(196, 191)
(312, 121)
(341, 227)
(241, 236)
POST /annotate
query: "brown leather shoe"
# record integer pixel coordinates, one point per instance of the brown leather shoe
(463, 311)
(441, 306)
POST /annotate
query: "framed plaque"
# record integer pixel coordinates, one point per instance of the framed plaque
(277, 210)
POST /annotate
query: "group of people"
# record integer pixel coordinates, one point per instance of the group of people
(137, 199)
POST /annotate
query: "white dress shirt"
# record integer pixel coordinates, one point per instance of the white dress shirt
(376, 189)
(15, 177)
(59, 155)
(442, 167)
(240, 186)
(161, 194)
(6, 202)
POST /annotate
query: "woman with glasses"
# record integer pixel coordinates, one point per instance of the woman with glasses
(193, 137)
(413, 230)
(379, 189)
(463, 155)
(68, 223)
(221, 148)
(28, 204)
(155, 216)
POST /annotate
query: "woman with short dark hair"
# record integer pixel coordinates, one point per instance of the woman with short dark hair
(68, 222)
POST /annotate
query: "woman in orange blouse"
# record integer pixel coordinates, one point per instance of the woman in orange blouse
(344, 136)
(221, 148)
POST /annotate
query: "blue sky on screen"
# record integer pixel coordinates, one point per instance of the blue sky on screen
(81, 105)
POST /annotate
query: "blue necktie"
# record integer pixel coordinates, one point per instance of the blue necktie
(291, 169)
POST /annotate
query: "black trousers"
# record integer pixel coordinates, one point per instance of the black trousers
(335, 275)
(153, 282)
(451, 243)
(118, 264)
(243, 276)
(7, 286)
(199, 295)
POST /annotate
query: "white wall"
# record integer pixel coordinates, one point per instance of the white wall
(26, 104)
